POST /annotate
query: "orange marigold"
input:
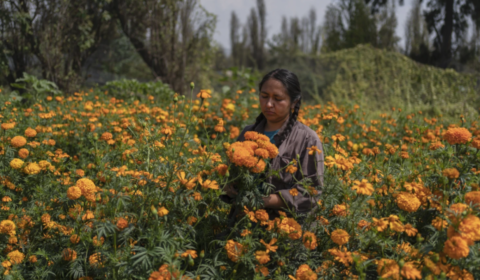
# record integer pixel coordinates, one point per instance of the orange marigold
(16, 257)
(408, 202)
(456, 248)
(74, 193)
(457, 135)
(309, 240)
(30, 132)
(18, 141)
(69, 254)
(388, 269)
(304, 272)
(262, 257)
(363, 187)
(234, 250)
(122, 224)
(473, 198)
(340, 236)
(451, 173)
(23, 153)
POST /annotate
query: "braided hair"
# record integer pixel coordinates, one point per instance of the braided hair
(292, 85)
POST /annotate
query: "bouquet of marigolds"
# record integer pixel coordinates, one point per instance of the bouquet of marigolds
(248, 163)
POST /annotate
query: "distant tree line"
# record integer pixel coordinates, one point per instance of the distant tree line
(436, 35)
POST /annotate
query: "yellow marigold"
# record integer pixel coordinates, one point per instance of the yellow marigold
(162, 211)
(23, 153)
(340, 237)
(234, 250)
(45, 165)
(69, 254)
(7, 227)
(16, 257)
(122, 224)
(16, 163)
(6, 126)
(436, 145)
(451, 173)
(410, 271)
(18, 141)
(456, 248)
(32, 168)
(473, 198)
(410, 230)
(88, 215)
(30, 132)
(74, 193)
(388, 269)
(457, 135)
(408, 202)
(309, 240)
(363, 187)
(304, 272)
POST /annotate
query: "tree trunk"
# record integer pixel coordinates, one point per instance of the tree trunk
(447, 30)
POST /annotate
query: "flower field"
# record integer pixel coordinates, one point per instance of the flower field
(95, 186)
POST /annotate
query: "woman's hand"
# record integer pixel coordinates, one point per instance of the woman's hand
(273, 201)
(230, 191)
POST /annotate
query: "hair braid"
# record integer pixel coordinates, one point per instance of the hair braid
(291, 122)
(258, 120)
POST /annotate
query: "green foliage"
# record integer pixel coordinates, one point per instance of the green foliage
(128, 88)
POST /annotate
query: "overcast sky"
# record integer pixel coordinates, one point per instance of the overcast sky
(275, 10)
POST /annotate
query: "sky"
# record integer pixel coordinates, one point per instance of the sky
(275, 10)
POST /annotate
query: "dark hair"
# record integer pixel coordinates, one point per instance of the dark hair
(292, 85)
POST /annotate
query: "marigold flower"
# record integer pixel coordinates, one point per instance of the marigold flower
(245, 232)
(95, 260)
(7, 227)
(204, 93)
(387, 269)
(16, 257)
(340, 237)
(32, 168)
(304, 272)
(313, 150)
(162, 211)
(188, 183)
(23, 153)
(261, 215)
(340, 210)
(342, 255)
(209, 184)
(74, 239)
(309, 240)
(456, 248)
(261, 153)
(473, 198)
(408, 202)
(122, 224)
(363, 187)
(410, 230)
(69, 254)
(74, 193)
(87, 187)
(30, 132)
(97, 242)
(88, 215)
(293, 192)
(269, 246)
(191, 253)
(476, 142)
(18, 141)
(410, 271)
(234, 250)
(16, 163)
(457, 135)
(291, 227)
(259, 167)
(32, 259)
(468, 229)
(106, 136)
(439, 224)
(451, 173)
(262, 257)
(7, 126)
(222, 169)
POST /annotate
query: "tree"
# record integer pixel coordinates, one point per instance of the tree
(173, 37)
(56, 35)
(417, 45)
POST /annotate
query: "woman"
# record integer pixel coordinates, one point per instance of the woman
(280, 99)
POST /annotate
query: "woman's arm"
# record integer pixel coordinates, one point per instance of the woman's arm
(274, 201)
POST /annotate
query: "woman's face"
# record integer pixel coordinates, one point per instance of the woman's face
(275, 101)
